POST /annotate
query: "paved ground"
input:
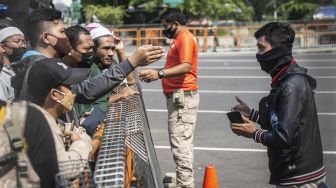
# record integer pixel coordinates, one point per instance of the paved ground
(221, 77)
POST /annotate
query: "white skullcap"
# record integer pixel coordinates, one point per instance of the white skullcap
(100, 31)
(9, 31)
(91, 26)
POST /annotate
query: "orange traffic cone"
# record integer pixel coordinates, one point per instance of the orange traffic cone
(210, 179)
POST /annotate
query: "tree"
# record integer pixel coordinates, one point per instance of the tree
(298, 9)
(106, 14)
(262, 8)
(218, 9)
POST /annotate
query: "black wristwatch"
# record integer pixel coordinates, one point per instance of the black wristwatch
(160, 73)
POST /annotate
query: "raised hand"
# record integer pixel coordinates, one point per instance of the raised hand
(242, 107)
(145, 55)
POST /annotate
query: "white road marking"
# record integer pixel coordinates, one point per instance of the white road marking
(254, 60)
(239, 68)
(256, 77)
(235, 92)
(224, 112)
(232, 149)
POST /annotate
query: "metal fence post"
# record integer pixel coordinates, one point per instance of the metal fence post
(305, 35)
(238, 39)
(205, 40)
(138, 37)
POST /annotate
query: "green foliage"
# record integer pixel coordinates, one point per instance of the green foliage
(298, 9)
(138, 2)
(106, 14)
(218, 9)
(150, 5)
(237, 10)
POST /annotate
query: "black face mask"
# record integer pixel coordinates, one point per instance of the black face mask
(87, 59)
(62, 46)
(269, 60)
(170, 33)
(17, 54)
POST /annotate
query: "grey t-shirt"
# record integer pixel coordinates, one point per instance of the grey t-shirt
(6, 90)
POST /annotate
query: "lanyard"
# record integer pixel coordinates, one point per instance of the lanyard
(283, 69)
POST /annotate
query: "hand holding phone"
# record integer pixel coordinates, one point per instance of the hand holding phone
(235, 117)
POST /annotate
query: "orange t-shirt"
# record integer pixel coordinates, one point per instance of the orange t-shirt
(182, 50)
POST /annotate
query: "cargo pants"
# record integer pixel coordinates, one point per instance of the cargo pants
(181, 126)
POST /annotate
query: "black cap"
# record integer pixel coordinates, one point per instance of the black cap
(51, 72)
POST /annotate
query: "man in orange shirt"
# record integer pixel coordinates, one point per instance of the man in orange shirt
(179, 83)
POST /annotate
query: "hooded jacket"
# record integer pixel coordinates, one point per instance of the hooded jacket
(290, 129)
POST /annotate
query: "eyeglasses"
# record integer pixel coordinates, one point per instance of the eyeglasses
(18, 42)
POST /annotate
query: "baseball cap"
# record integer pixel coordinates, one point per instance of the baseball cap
(51, 72)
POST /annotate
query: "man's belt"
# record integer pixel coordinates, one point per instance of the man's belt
(186, 93)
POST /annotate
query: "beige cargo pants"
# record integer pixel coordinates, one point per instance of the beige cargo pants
(181, 126)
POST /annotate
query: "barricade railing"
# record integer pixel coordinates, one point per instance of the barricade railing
(126, 157)
(233, 38)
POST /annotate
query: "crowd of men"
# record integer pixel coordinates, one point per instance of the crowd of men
(66, 75)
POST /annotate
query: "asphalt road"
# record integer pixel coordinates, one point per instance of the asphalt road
(239, 162)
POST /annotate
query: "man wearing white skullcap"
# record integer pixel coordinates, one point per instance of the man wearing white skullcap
(106, 44)
(105, 47)
(12, 46)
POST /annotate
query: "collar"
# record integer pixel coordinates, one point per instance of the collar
(30, 53)
(275, 78)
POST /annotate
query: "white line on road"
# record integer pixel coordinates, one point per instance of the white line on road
(223, 60)
(256, 77)
(232, 149)
(224, 112)
(235, 92)
(199, 111)
(238, 68)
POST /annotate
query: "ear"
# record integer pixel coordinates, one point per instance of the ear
(2, 48)
(72, 51)
(45, 38)
(54, 95)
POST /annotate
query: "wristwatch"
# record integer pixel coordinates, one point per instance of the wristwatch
(160, 73)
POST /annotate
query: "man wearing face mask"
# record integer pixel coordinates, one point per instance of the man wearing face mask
(12, 46)
(48, 84)
(287, 116)
(82, 53)
(179, 82)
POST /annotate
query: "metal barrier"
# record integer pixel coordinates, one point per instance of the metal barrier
(233, 38)
(126, 129)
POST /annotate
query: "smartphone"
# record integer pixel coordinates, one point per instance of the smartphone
(92, 121)
(235, 117)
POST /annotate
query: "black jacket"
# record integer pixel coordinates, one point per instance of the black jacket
(290, 129)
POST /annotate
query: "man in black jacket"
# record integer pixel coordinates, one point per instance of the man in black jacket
(287, 116)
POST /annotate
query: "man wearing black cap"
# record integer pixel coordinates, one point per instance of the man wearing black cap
(48, 84)
(287, 116)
